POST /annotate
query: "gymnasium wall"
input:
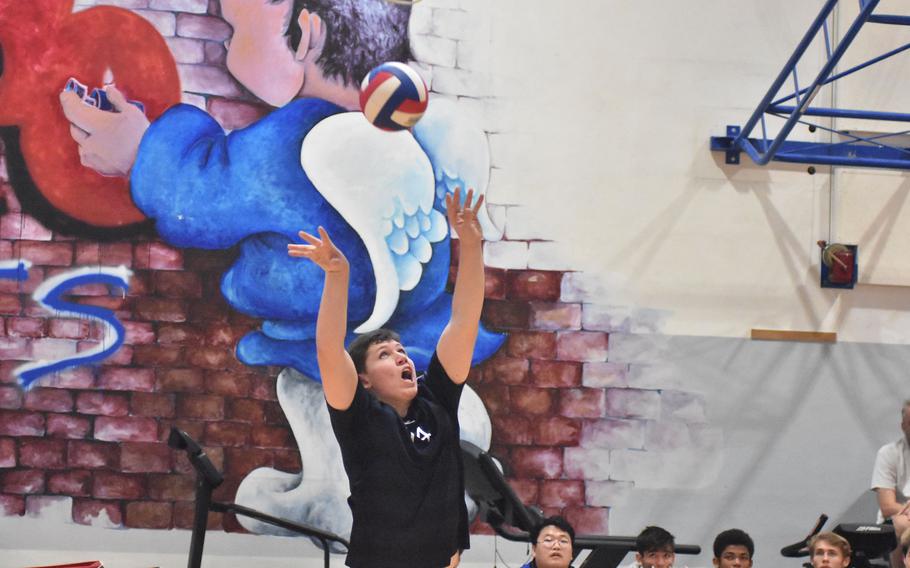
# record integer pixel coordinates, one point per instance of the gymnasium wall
(626, 268)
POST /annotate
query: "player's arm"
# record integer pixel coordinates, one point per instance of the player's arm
(884, 482)
(339, 377)
(456, 344)
(888, 503)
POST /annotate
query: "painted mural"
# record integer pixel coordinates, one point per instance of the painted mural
(309, 162)
(194, 204)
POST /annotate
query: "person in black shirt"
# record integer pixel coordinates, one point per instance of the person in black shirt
(399, 435)
(552, 541)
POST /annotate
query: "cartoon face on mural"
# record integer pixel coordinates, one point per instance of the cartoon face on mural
(256, 187)
(307, 163)
(259, 35)
(315, 48)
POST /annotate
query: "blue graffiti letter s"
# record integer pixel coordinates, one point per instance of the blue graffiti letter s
(50, 295)
(14, 269)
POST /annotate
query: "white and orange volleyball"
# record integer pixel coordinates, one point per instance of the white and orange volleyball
(393, 96)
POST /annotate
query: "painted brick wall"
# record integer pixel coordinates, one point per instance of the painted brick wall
(95, 437)
(578, 416)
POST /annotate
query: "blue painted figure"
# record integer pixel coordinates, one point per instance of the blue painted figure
(251, 188)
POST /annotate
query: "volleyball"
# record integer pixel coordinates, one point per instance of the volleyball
(393, 96)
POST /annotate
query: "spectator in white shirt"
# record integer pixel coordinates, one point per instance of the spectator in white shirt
(891, 482)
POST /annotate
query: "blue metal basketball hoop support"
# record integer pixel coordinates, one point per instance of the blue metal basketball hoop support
(853, 150)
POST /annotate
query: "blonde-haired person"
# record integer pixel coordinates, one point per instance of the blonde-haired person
(829, 550)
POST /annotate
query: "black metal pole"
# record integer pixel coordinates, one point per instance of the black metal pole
(200, 521)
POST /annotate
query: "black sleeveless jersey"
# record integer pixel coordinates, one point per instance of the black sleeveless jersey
(406, 476)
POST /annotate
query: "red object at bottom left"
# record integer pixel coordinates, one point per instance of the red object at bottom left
(88, 564)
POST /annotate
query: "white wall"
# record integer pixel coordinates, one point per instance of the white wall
(604, 150)
(790, 431)
(605, 147)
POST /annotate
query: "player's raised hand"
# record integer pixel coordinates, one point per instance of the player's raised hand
(320, 250)
(463, 218)
(108, 141)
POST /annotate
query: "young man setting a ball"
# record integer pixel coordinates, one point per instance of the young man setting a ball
(399, 433)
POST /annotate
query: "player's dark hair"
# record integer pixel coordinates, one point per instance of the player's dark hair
(654, 539)
(358, 348)
(733, 537)
(360, 34)
(555, 521)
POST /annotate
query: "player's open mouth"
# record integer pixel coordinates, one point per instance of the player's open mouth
(407, 375)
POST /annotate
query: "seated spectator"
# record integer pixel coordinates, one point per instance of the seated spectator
(655, 548)
(733, 548)
(829, 550)
(891, 482)
(551, 544)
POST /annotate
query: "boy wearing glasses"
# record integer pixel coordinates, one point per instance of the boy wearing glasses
(551, 544)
